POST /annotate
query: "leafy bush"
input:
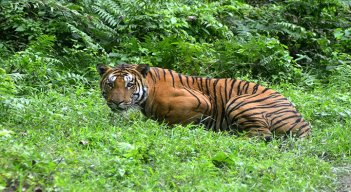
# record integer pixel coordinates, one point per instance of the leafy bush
(143, 18)
(257, 55)
(39, 68)
(23, 21)
(173, 53)
(189, 36)
(34, 63)
(305, 27)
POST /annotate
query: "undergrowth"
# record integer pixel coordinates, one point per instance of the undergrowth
(72, 141)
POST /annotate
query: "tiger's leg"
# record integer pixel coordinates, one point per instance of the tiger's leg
(183, 107)
(262, 132)
(245, 116)
(187, 110)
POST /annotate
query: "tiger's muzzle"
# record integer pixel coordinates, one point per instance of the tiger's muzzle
(121, 106)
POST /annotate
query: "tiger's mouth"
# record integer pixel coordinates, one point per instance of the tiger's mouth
(119, 107)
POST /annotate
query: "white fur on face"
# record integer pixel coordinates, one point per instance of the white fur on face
(111, 78)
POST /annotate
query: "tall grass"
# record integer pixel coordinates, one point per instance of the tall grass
(72, 142)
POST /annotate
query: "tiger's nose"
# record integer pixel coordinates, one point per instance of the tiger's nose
(113, 103)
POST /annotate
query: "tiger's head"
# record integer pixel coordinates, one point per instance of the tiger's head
(123, 86)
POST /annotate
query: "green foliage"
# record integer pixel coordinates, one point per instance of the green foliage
(305, 27)
(7, 86)
(23, 21)
(259, 55)
(70, 142)
(34, 64)
(340, 78)
(190, 36)
(14, 21)
(160, 19)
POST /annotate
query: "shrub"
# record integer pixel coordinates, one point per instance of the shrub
(257, 55)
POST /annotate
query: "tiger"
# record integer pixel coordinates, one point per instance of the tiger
(219, 104)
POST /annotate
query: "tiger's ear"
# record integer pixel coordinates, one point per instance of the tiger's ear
(102, 69)
(143, 69)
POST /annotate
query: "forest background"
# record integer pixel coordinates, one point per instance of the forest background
(57, 134)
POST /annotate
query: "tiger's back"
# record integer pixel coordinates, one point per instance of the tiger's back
(219, 104)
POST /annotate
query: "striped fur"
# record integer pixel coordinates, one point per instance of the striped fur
(220, 104)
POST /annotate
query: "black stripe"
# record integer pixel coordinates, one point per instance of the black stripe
(251, 115)
(171, 73)
(286, 118)
(153, 78)
(253, 108)
(198, 100)
(164, 74)
(254, 101)
(180, 78)
(303, 126)
(207, 85)
(266, 89)
(255, 89)
(282, 111)
(200, 87)
(275, 104)
(144, 94)
(215, 110)
(292, 127)
(231, 103)
(187, 80)
(231, 88)
(223, 116)
(298, 120)
(225, 91)
(238, 88)
(280, 126)
(246, 87)
(244, 102)
(207, 107)
(157, 72)
(304, 131)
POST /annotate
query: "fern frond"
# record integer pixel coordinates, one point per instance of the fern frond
(85, 37)
(98, 24)
(107, 17)
(268, 60)
(113, 8)
(290, 26)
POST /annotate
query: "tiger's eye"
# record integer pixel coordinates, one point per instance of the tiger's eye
(110, 84)
(130, 85)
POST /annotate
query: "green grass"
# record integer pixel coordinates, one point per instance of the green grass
(71, 142)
